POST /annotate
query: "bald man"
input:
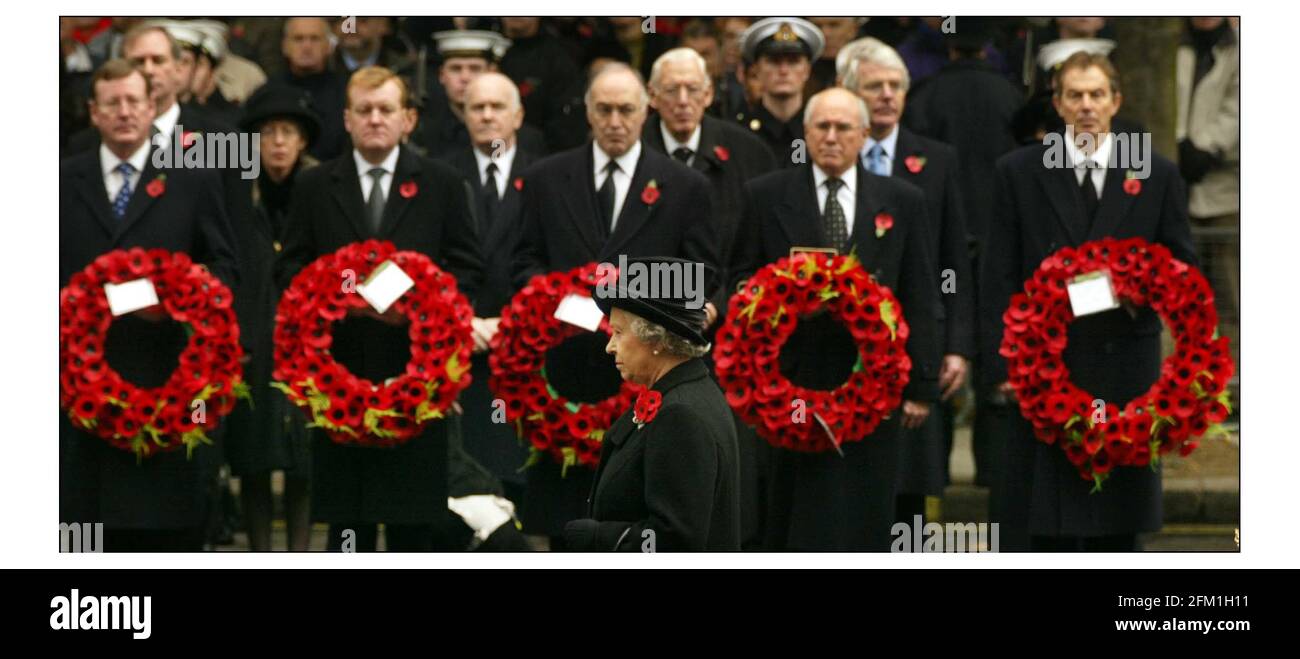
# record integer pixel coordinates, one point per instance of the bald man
(606, 198)
(490, 164)
(824, 501)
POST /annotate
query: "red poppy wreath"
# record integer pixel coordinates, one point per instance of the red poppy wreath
(352, 409)
(1190, 396)
(569, 432)
(201, 390)
(763, 315)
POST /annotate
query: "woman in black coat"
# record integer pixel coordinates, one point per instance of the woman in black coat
(668, 477)
(269, 435)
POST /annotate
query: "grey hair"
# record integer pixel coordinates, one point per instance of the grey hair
(680, 56)
(867, 51)
(656, 335)
(516, 102)
(613, 67)
(863, 113)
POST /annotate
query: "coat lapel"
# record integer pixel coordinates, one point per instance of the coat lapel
(90, 186)
(798, 213)
(407, 171)
(905, 147)
(510, 203)
(1114, 206)
(141, 200)
(867, 207)
(347, 194)
(1062, 190)
(706, 159)
(636, 212)
(580, 197)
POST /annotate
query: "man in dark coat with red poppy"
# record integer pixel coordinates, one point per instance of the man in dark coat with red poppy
(110, 198)
(825, 501)
(381, 190)
(607, 198)
(1037, 496)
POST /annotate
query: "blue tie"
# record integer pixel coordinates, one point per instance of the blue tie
(876, 160)
(124, 193)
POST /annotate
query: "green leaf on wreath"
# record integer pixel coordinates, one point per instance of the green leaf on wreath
(534, 456)
(570, 459)
(455, 371)
(572, 407)
(890, 317)
(596, 435)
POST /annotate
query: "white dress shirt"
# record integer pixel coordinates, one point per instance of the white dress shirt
(622, 177)
(113, 179)
(166, 123)
(671, 143)
(1101, 158)
(504, 162)
(889, 145)
(847, 194)
(389, 166)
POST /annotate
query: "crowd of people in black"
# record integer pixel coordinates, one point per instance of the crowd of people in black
(530, 140)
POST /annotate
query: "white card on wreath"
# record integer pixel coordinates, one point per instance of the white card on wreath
(579, 310)
(385, 285)
(1092, 293)
(130, 296)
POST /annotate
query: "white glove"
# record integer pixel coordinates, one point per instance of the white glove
(485, 513)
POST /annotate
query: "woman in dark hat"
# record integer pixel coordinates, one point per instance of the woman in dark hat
(668, 475)
(270, 435)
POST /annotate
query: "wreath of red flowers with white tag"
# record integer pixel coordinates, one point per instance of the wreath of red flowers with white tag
(1188, 400)
(763, 315)
(571, 433)
(208, 378)
(351, 409)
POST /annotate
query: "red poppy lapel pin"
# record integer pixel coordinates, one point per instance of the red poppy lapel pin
(914, 164)
(722, 153)
(884, 222)
(651, 193)
(408, 189)
(157, 186)
(1132, 184)
(188, 138)
(646, 407)
(519, 184)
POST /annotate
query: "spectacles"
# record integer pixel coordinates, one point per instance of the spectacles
(692, 91)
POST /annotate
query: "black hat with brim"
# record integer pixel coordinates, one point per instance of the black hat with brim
(673, 313)
(277, 101)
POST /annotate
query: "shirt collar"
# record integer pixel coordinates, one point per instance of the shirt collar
(389, 164)
(108, 161)
(503, 161)
(166, 122)
(849, 177)
(1101, 155)
(671, 144)
(889, 144)
(354, 64)
(626, 162)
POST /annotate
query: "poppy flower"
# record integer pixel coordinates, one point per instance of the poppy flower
(408, 189)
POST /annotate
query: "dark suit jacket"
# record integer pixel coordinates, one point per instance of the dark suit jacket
(98, 483)
(677, 476)
(560, 232)
(406, 484)
(192, 117)
(1113, 355)
(950, 241)
(498, 242)
(824, 501)
(747, 158)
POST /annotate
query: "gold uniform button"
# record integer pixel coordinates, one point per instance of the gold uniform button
(755, 124)
(277, 246)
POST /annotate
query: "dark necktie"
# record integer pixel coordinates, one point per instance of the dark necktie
(491, 199)
(606, 197)
(683, 155)
(1089, 192)
(123, 198)
(833, 216)
(375, 204)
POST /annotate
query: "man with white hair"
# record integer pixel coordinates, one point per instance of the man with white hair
(490, 164)
(610, 197)
(876, 73)
(825, 501)
(680, 92)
